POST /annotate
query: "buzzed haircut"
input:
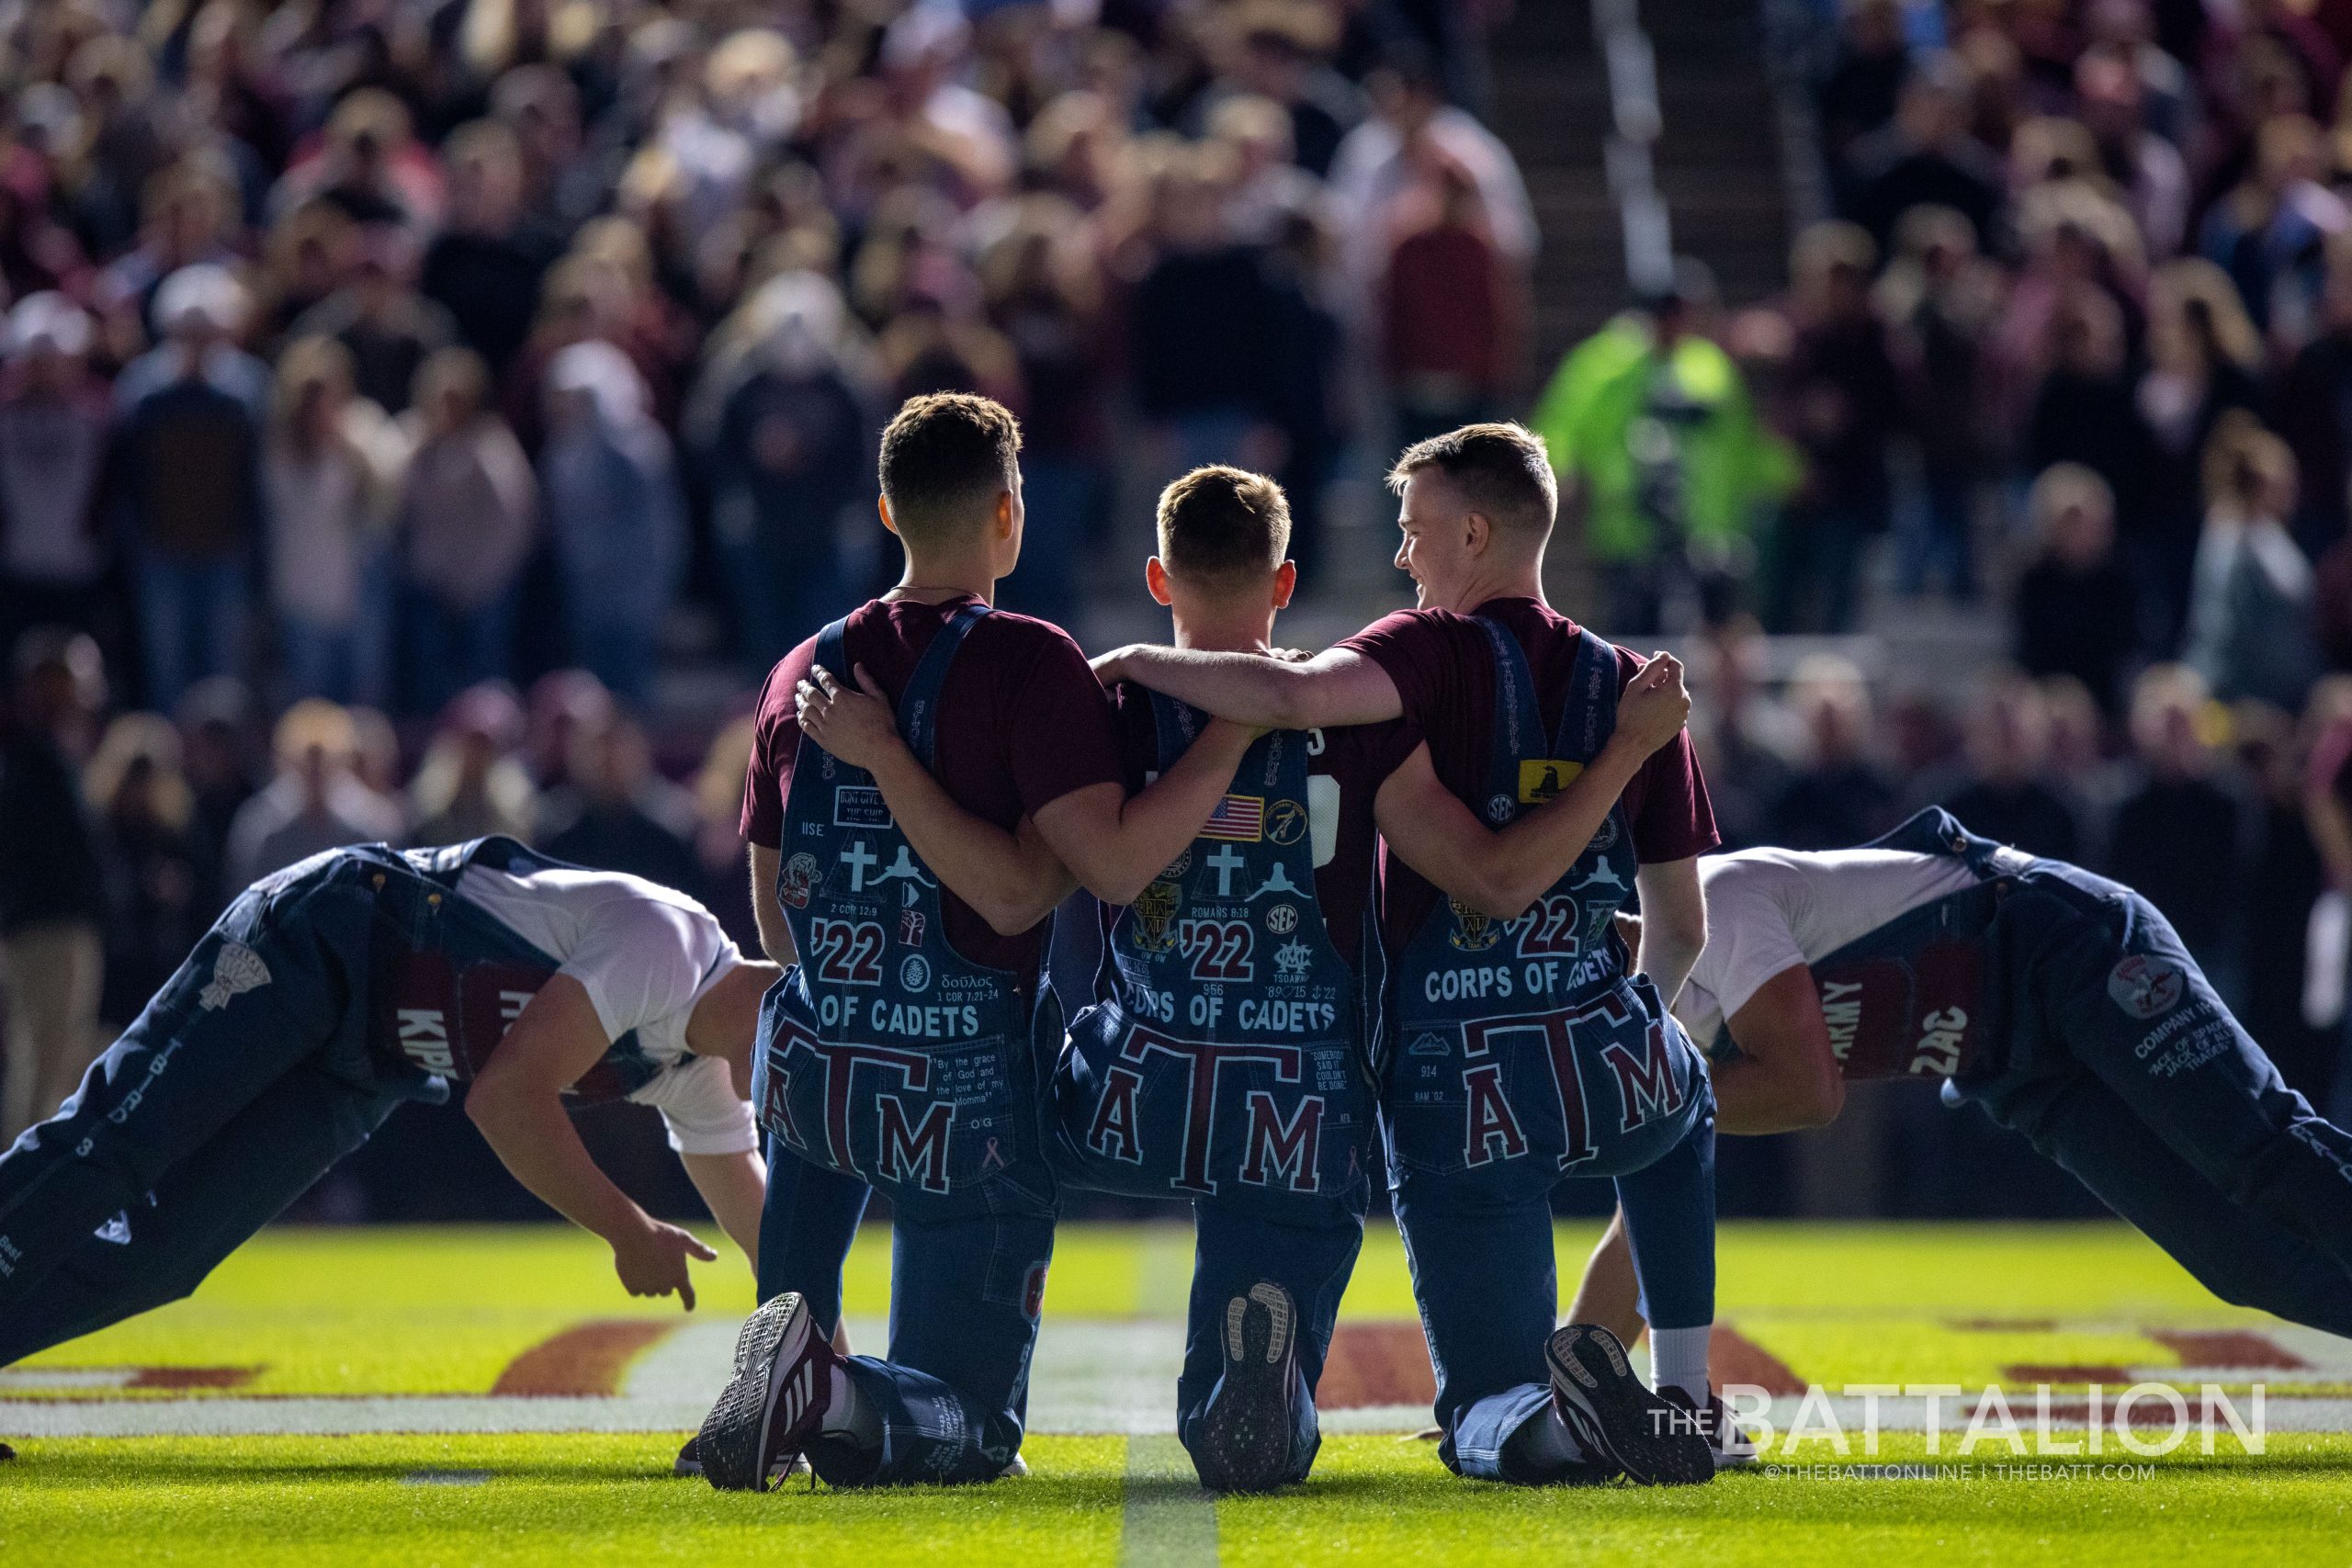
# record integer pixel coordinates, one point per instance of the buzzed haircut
(1222, 527)
(945, 459)
(1500, 469)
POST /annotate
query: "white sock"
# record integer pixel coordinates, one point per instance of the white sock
(849, 1414)
(1678, 1359)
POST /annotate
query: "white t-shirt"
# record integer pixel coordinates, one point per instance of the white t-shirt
(1770, 909)
(645, 955)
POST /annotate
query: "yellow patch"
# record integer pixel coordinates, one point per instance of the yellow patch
(1540, 778)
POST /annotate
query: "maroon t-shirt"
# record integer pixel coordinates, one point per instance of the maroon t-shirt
(1357, 761)
(1445, 669)
(1021, 723)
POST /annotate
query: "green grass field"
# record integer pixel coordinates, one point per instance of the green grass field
(480, 1395)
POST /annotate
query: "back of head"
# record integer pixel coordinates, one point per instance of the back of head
(946, 458)
(1499, 470)
(1223, 529)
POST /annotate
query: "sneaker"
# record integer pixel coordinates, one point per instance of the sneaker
(773, 1407)
(1242, 1443)
(1015, 1470)
(689, 1461)
(1616, 1419)
(1733, 1447)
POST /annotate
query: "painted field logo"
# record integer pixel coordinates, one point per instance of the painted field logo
(2143, 986)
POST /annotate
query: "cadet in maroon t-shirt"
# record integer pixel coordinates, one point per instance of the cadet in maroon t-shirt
(1506, 1065)
(897, 1051)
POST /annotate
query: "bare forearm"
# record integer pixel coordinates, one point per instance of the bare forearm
(1248, 688)
(1753, 1098)
(734, 1188)
(1667, 957)
(534, 1139)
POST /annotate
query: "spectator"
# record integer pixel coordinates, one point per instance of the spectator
(1201, 317)
(1453, 310)
(188, 460)
(2001, 791)
(145, 814)
(1743, 736)
(2180, 833)
(389, 328)
(718, 832)
(608, 489)
(54, 553)
(1940, 299)
(790, 461)
(1845, 401)
(2250, 614)
(52, 898)
(484, 268)
(617, 813)
(2313, 411)
(1045, 295)
(219, 745)
(330, 467)
(470, 783)
(2270, 233)
(2076, 611)
(1662, 514)
(2202, 351)
(1925, 156)
(1858, 94)
(318, 800)
(2083, 415)
(468, 511)
(1837, 795)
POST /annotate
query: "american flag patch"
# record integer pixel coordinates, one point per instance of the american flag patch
(1238, 819)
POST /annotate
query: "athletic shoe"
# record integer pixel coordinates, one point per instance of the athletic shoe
(1242, 1443)
(1615, 1418)
(773, 1407)
(690, 1460)
(1014, 1470)
(1733, 1448)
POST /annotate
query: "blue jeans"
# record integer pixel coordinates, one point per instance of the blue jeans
(964, 1296)
(1063, 498)
(147, 1177)
(344, 664)
(782, 593)
(1935, 535)
(192, 612)
(1234, 1251)
(2125, 1062)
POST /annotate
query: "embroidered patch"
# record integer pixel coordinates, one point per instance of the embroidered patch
(239, 969)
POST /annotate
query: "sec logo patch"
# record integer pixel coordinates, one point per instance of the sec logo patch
(2143, 986)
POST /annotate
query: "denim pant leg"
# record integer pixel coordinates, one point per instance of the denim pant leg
(807, 1225)
(203, 1208)
(2246, 1258)
(1488, 1289)
(200, 1053)
(1234, 1251)
(953, 1396)
(2126, 1000)
(1669, 1206)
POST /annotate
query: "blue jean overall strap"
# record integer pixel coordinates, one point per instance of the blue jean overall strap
(1523, 1052)
(1224, 1059)
(1920, 996)
(888, 1057)
(448, 978)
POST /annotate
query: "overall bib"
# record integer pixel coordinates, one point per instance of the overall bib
(1224, 1064)
(326, 995)
(2066, 1006)
(1517, 1054)
(890, 1061)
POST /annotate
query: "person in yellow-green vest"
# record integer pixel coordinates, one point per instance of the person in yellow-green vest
(1651, 425)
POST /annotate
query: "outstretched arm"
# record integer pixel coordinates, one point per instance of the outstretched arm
(1503, 871)
(517, 1102)
(1337, 687)
(734, 1188)
(1113, 843)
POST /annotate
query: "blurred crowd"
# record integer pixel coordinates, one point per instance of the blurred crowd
(370, 349)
